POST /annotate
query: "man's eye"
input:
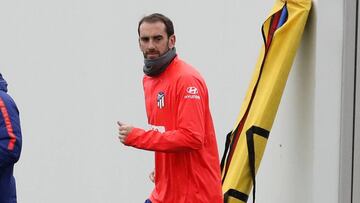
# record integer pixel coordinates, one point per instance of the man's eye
(158, 38)
(144, 39)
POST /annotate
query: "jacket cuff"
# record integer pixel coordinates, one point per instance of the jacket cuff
(133, 136)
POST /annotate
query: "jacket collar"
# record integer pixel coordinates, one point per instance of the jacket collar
(3, 84)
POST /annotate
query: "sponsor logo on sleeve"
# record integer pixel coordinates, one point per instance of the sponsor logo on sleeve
(192, 93)
(160, 129)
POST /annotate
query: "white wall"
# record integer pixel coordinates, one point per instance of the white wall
(74, 69)
(328, 101)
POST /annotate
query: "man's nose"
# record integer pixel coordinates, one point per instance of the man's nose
(151, 44)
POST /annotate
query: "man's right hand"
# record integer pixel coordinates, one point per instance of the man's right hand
(124, 130)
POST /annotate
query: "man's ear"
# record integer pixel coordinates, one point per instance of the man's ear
(172, 40)
(139, 42)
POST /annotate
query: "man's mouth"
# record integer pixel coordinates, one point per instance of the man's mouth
(151, 55)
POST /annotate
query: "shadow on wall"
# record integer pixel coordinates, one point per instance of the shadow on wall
(304, 100)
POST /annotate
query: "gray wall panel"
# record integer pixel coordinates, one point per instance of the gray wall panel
(356, 178)
(347, 103)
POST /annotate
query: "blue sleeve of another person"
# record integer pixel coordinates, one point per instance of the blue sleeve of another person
(10, 132)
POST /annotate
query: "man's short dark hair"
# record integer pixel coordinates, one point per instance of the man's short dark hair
(157, 17)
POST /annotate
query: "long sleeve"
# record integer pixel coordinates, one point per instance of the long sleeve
(10, 132)
(191, 99)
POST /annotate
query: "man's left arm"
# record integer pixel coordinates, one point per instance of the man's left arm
(190, 131)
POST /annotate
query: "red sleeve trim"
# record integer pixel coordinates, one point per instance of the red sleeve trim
(8, 125)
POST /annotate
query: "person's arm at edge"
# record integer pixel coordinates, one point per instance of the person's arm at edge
(10, 142)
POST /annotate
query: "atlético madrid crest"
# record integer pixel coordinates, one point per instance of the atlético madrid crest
(161, 100)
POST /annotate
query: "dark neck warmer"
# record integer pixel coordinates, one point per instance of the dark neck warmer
(153, 67)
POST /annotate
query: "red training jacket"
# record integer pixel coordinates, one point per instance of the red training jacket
(186, 156)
